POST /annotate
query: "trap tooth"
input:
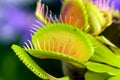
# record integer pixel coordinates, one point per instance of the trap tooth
(62, 39)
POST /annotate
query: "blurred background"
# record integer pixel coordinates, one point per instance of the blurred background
(16, 18)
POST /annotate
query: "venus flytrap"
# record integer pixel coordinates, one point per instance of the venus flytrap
(105, 8)
(87, 14)
(32, 65)
(110, 9)
(57, 41)
(96, 18)
(73, 38)
(73, 12)
(27, 60)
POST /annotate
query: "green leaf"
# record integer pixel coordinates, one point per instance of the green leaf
(64, 78)
(112, 47)
(102, 68)
(116, 50)
(103, 54)
(104, 40)
(89, 75)
(114, 78)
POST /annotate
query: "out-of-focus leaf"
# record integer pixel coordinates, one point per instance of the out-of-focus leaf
(102, 68)
(113, 47)
(89, 75)
(115, 78)
(103, 54)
